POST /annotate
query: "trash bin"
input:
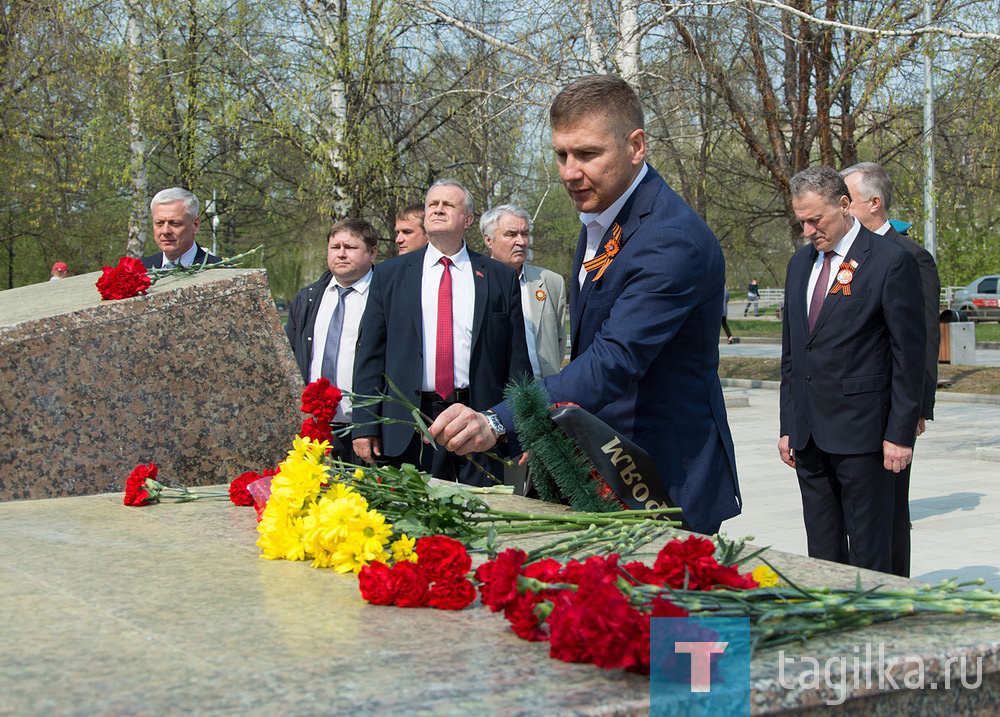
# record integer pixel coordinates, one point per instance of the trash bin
(958, 339)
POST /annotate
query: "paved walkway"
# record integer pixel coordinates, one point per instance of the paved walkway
(954, 497)
(984, 357)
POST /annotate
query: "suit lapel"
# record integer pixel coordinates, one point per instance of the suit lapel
(629, 218)
(534, 282)
(576, 307)
(412, 288)
(479, 274)
(859, 253)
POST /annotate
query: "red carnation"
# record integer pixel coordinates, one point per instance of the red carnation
(411, 585)
(238, 492)
(640, 574)
(377, 584)
(442, 557)
(452, 593)
(321, 399)
(316, 429)
(136, 490)
(124, 281)
(498, 578)
(690, 560)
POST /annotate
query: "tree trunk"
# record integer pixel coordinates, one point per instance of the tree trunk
(138, 217)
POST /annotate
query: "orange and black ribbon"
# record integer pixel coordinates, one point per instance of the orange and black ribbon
(844, 286)
(600, 263)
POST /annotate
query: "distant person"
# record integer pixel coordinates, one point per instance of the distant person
(871, 197)
(507, 232)
(410, 234)
(175, 222)
(59, 271)
(852, 372)
(325, 317)
(753, 298)
(725, 313)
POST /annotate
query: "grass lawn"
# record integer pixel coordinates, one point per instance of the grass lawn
(772, 328)
(967, 379)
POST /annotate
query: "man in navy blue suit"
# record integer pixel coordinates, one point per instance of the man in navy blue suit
(445, 325)
(852, 373)
(175, 222)
(645, 309)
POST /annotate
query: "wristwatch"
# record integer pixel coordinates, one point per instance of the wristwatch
(495, 423)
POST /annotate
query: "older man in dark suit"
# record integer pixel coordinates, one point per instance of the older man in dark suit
(871, 196)
(645, 308)
(175, 222)
(852, 373)
(445, 325)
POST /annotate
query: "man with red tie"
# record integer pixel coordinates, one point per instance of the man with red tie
(445, 325)
(852, 373)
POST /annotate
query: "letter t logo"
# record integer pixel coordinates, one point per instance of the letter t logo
(701, 661)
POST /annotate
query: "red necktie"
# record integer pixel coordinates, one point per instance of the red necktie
(819, 291)
(444, 363)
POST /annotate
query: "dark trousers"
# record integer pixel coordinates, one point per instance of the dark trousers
(847, 505)
(443, 464)
(901, 524)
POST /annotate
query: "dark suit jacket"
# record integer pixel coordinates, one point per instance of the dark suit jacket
(391, 341)
(930, 283)
(645, 354)
(155, 261)
(302, 320)
(858, 377)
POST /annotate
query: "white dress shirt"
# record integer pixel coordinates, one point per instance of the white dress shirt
(529, 326)
(463, 302)
(185, 259)
(843, 246)
(884, 229)
(598, 224)
(354, 307)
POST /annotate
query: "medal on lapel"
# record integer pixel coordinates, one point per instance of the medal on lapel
(540, 295)
(600, 263)
(844, 278)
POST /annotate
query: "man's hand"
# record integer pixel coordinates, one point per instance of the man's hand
(786, 453)
(896, 457)
(462, 430)
(367, 448)
(921, 426)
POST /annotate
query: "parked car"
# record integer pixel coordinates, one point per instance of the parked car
(980, 300)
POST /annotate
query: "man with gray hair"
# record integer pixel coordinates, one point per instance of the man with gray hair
(871, 197)
(852, 372)
(444, 325)
(175, 222)
(507, 232)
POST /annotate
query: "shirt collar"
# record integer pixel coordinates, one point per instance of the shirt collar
(460, 260)
(185, 259)
(606, 217)
(884, 229)
(360, 286)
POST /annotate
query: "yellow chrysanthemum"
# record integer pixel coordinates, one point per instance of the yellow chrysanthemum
(358, 473)
(372, 531)
(402, 549)
(765, 577)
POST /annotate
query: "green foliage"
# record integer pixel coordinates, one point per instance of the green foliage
(560, 471)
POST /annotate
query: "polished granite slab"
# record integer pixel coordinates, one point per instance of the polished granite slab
(196, 377)
(168, 609)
